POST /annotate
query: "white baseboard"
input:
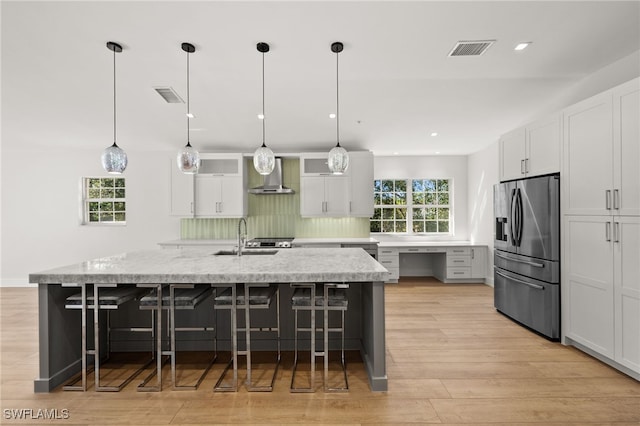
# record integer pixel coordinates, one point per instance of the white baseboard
(16, 283)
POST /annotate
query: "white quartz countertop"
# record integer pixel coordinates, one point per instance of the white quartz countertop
(335, 240)
(200, 265)
(195, 242)
(424, 243)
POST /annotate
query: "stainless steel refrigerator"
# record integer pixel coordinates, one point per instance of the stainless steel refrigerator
(527, 252)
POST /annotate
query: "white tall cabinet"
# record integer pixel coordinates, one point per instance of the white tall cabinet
(601, 226)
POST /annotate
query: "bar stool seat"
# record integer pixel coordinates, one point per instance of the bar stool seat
(259, 296)
(179, 297)
(110, 297)
(325, 297)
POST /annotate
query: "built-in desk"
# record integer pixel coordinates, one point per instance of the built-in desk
(450, 261)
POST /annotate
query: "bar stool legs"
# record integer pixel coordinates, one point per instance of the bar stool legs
(172, 327)
(333, 299)
(112, 297)
(254, 296)
(181, 296)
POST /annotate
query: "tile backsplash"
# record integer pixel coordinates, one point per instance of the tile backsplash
(275, 215)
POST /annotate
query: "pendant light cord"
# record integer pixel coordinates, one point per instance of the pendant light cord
(114, 96)
(188, 104)
(337, 102)
(263, 116)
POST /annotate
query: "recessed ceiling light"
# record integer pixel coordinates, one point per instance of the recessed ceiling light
(434, 134)
(261, 116)
(396, 153)
(332, 115)
(190, 115)
(522, 46)
(437, 152)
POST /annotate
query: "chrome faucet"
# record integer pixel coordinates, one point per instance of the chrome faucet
(242, 238)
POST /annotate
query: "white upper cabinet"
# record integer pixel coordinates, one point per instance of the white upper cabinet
(512, 154)
(601, 153)
(182, 192)
(218, 190)
(361, 184)
(626, 149)
(324, 194)
(588, 156)
(532, 150)
(543, 146)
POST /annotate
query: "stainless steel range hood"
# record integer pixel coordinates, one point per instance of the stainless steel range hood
(273, 182)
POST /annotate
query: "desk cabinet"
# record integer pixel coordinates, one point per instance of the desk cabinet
(450, 264)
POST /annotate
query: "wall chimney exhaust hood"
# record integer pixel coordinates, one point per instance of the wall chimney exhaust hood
(273, 182)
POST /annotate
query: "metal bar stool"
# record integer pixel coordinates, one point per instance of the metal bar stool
(325, 298)
(180, 297)
(110, 297)
(260, 296)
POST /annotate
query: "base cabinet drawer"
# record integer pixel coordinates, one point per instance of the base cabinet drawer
(389, 262)
(458, 261)
(459, 251)
(458, 272)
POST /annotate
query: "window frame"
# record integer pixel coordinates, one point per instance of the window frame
(409, 207)
(86, 201)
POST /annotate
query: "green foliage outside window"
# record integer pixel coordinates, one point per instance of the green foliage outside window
(104, 200)
(412, 205)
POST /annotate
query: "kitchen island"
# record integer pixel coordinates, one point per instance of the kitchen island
(59, 331)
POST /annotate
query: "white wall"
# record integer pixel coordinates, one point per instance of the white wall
(41, 209)
(616, 73)
(450, 167)
(483, 174)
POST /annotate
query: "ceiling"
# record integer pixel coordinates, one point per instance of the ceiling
(397, 83)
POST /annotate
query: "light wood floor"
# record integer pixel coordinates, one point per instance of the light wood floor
(451, 359)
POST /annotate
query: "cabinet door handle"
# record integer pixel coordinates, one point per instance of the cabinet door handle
(607, 231)
(607, 194)
(191, 207)
(616, 199)
(220, 206)
(413, 249)
(473, 253)
(526, 165)
(522, 166)
(616, 232)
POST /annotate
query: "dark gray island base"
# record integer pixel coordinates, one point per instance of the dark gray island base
(60, 329)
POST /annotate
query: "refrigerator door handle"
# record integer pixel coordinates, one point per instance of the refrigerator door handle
(536, 286)
(520, 215)
(512, 218)
(526, 262)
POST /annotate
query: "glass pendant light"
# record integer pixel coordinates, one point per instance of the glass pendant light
(188, 158)
(114, 159)
(263, 159)
(338, 160)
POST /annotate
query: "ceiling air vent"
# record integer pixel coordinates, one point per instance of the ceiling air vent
(169, 95)
(471, 48)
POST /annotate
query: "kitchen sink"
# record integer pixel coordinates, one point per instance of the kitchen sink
(245, 252)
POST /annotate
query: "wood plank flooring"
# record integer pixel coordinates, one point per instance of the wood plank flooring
(451, 359)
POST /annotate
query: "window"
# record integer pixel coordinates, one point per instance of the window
(412, 206)
(104, 200)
